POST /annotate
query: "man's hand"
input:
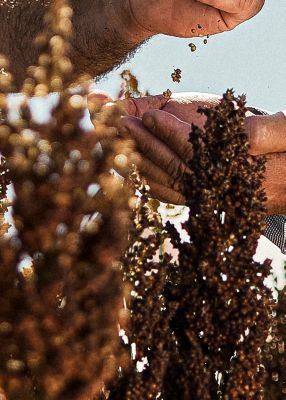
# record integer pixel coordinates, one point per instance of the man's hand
(162, 140)
(188, 18)
(105, 32)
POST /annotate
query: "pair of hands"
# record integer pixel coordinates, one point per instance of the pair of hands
(160, 128)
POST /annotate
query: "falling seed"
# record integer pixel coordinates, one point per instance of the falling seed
(193, 47)
(177, 75)
(167, 93)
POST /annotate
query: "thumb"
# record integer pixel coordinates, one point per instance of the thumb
(230, 6)
(236, 6)
(137, 107)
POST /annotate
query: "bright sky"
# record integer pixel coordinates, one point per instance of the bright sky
(251, 59)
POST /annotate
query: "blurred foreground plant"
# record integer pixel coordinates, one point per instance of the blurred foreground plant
(58, 317)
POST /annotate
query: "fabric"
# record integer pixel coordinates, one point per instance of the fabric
(276, 224)
(276, 231)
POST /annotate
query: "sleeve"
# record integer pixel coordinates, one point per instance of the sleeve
(276, 231)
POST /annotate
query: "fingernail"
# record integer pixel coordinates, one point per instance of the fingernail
(149, 122)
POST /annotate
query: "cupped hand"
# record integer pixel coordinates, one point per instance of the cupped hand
(189, 18)
(163, 139)
(161, 127)
(266, 133)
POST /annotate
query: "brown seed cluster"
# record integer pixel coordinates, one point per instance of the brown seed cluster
(130, 86)
(177, 75)
(274, 357)
(148, 271)
(226, 309)
(198, 325)
(167, 93)
(58, 317)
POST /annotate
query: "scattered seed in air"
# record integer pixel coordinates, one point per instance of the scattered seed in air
(177, 75)
(193, 47)
(205, 41)
(167, 93)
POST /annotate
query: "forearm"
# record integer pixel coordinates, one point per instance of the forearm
(103, 35)
(267, 133)
(275, 183)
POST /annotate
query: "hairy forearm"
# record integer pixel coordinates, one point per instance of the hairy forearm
(103, 34)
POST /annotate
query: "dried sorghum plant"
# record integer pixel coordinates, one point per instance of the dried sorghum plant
(58, 318)
(198, 325)
(130, 86)
(274, 358)
(225, 310)
(148, 270)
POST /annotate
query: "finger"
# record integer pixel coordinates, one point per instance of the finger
(96, 100)
(165, 194)
(104, 113)
(151, 171)
(267, 133)
(235, 6)
(152, 148)
(137, 107)
(171, 131)
(185, 106)
(154, 173)
(230, 6)
(109, 115)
